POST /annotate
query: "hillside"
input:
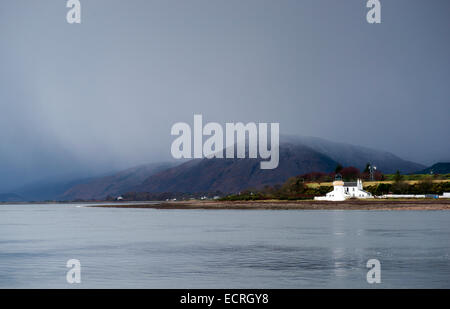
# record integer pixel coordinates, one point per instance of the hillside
(10, 197)
(124, 181)
(438, 168)
(298, 155)
(48, 189)
(232, 175)
(358, 156)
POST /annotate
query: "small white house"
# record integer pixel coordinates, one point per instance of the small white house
(403, 196)
(345, 190)
(445, 195)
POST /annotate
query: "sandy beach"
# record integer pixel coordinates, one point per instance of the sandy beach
(425, 204)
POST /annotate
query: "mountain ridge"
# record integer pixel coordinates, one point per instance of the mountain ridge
(358, 156)
(298, 155)
(121, 182)
(233, 175)
(437, 168)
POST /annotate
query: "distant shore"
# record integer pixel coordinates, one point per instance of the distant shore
(425, 204)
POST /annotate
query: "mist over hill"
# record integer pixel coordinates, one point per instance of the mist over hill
(233, 175)
(117, 183)
(10, 197)
(298, 155)
(357, 156)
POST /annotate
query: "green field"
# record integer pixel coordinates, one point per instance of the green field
(389, 179)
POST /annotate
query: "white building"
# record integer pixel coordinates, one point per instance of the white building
(345, 190)
(403, 196)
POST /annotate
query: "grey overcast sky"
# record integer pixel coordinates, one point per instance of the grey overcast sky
(102, 95)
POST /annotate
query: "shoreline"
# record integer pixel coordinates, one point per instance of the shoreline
(292, 205)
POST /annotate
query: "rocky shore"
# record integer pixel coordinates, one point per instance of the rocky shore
(378, 204)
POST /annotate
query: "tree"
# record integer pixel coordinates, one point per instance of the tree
(398, 177)
(400, 187)
(425, 186)
(350, 173)
(367, 169)
(382, 188)
(294, 186)
(378, 176)
(339, 168)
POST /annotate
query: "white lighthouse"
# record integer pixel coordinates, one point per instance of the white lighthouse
(345, 190)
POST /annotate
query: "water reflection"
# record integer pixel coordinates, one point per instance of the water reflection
(145, 248)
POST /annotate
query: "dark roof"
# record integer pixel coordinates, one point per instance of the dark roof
(350, 184)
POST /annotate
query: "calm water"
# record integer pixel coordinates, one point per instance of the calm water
(146, 248)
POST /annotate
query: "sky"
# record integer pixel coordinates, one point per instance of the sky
(85, 99)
